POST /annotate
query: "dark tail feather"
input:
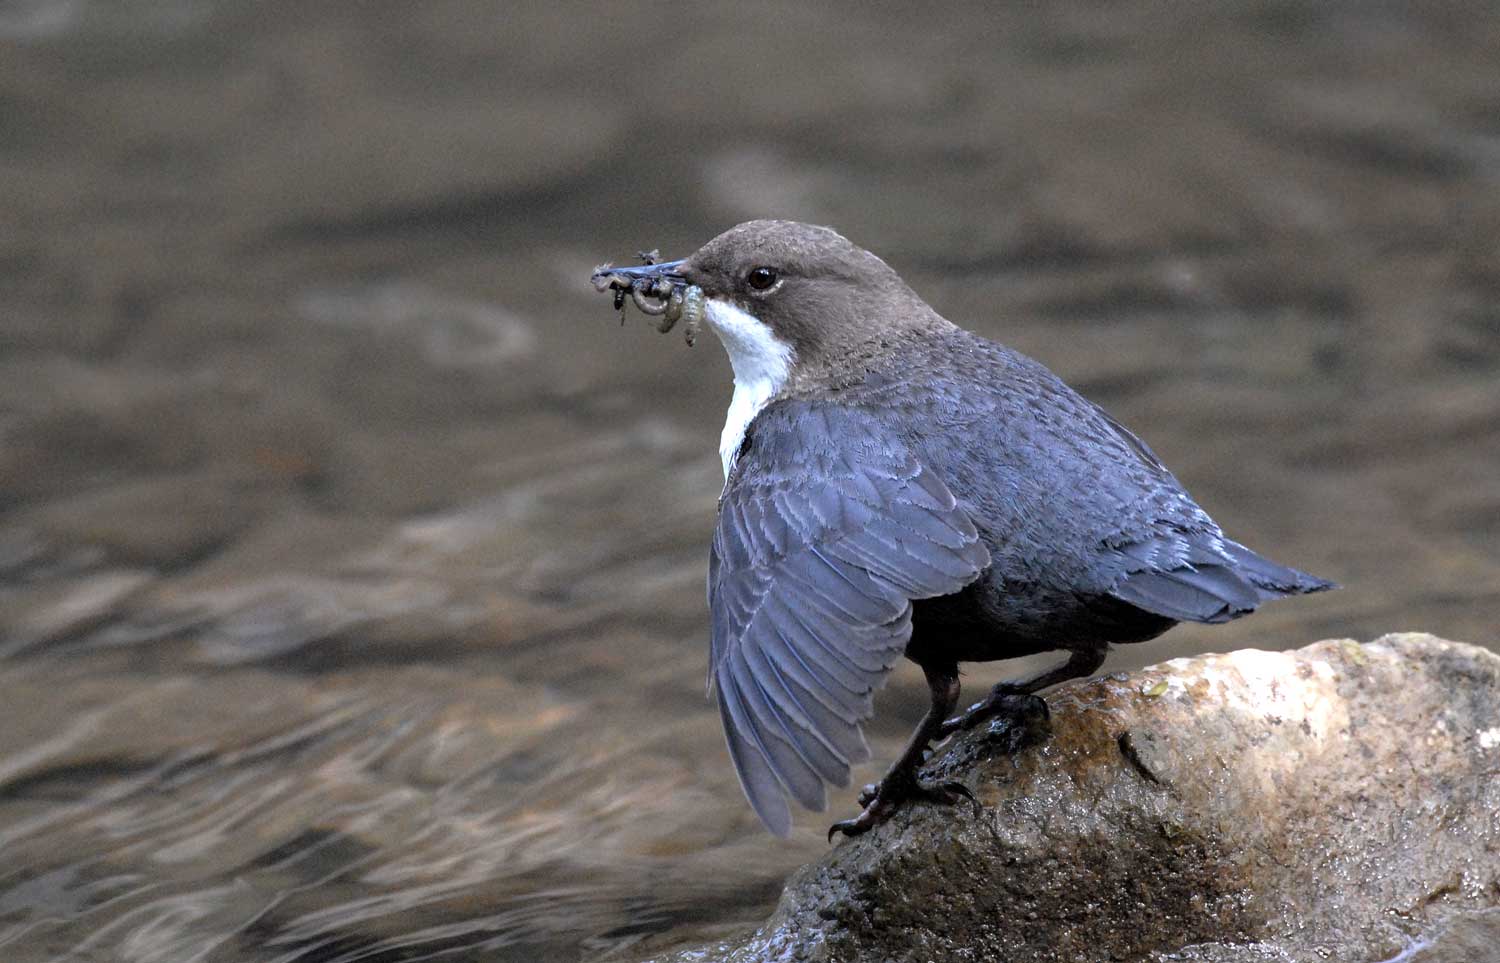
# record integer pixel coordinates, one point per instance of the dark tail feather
(1215, 591)
(1273, 581)
(1210, 593)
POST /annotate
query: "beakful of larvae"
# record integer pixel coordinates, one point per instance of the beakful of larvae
(661, 295)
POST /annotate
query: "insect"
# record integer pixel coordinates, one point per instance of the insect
(659, 297)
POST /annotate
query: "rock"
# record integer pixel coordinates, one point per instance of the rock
(1336, 802)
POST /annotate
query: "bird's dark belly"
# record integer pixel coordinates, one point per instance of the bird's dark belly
(996, 619)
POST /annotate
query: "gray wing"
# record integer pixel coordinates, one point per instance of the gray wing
(828, 528)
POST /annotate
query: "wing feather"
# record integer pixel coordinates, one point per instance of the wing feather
(825, 720)
(829, 528)
(760, 784)
(810, 744)
(784, 749)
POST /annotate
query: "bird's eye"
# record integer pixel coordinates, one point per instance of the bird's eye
(761, 278)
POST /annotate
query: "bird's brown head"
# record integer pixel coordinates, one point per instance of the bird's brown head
(830, 302)
(796, 305)
(800, 310)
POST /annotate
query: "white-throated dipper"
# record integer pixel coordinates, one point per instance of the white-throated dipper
(896, 485)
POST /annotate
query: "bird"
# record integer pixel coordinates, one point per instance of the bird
(898, 486)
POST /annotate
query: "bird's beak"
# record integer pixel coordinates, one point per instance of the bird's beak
(668, 270)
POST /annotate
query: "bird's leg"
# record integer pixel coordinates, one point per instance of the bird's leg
(1017, 699)
(900, 783)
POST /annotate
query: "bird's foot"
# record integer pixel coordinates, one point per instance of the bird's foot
(1019, 708)
(881, 801)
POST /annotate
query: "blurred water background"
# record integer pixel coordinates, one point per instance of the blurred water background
(353, 554)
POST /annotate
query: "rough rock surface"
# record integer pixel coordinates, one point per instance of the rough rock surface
(1340, 802)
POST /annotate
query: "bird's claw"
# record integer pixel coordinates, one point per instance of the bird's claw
(952, 792)
(881, 800)
(1016, 707)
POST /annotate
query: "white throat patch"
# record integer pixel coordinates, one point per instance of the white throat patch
(761, 363)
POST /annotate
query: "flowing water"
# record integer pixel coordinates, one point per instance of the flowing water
(353, 555)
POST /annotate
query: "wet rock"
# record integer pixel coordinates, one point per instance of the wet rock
(1471, 937)
(1336, 802)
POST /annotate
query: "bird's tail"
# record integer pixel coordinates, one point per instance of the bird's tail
(1208, 587)
(1272, 581)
